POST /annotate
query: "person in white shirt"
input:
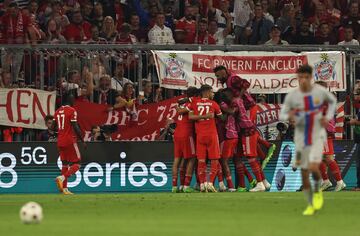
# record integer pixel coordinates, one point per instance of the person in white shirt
(160, 34)
(118, 81)
(275, 38)
(220, 34)
(219, 14)
(349, 37)
(267, 15)
(242, 13)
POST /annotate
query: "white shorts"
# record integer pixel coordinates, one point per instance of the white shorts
(312, 153)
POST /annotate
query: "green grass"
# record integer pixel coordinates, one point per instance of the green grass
(220, 214)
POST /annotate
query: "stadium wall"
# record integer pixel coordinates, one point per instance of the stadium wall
(31, 167)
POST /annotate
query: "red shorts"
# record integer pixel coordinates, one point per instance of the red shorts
(229, 148)
(70, 153)
(249, 145)
(328, 147)
(207, 147)
(184, 147)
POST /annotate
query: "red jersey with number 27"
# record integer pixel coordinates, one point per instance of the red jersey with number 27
(184, 126)
(201, 107)
(63, 118)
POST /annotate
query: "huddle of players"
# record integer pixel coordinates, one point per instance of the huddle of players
(224, 129)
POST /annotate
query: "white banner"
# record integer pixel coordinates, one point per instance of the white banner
(268, 72)
(26, 108)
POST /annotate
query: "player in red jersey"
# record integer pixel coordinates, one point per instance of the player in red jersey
(203, 111)
(184, 145)
(328, 156)
(65, 119)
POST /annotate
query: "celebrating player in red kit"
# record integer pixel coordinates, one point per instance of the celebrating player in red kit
(66, 121)
(203, 110)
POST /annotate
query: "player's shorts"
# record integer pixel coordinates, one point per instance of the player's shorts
(228, 148)
(311, 154)
(70, 153)
(184, 147)
(249, 145)
(328, 147)
(207, 147)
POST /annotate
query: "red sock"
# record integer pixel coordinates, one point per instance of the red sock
(220, 174)
(262, 174)
(335, 170)
(229, 181)
(240, 174)
(64, 169)
(260, 152)
(182, 175)
(264, 142)
(202, 171)
(72, 170)
(256, 169)
(187, 180)
(322, 168)
(213, 170)
(247, 173)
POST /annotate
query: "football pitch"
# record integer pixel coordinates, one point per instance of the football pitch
(183, 214)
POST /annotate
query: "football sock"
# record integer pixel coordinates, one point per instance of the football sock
(240, 174)
(202, 171)
(182, 175)
(220, 174)
(260, 152)
(322, 168)
(262, 174)
(64, 169)
(72, 170)
(247, 173)
(187, 180)
(308, 195)
(264, 143)
(256, 169)
(229, 181)
(316, 177)
(213, 170)
(335, 170)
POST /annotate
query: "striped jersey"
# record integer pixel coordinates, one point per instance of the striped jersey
(309, 109)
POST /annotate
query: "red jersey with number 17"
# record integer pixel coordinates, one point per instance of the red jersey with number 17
(201, 107)
(63, 118)
(184, 126)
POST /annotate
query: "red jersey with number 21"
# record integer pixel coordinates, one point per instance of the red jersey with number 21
(201, 107)
(63, 118)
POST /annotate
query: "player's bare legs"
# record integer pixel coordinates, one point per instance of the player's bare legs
(335, 170)
(214, 165)
(175, 169)
(183, 165)
(66, 172)
(220, 176)
(256, 169)
(189, 174)
(201, 170)
(239, 167)
(318, 200)
(307, 192)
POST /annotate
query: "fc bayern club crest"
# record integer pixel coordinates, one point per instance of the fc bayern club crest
(325, 69)
(174, 68)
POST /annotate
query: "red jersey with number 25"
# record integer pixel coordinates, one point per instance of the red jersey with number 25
(201, 107)
(63, 118)
(184, 126)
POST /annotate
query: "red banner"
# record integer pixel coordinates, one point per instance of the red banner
(151, 119)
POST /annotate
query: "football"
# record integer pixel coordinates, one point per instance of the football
(31, 213)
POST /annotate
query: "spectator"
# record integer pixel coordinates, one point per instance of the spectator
(349, 37)
(265, 6)
(259, 28)
(353, 18)
(57, 13)
(203, 36)
(275, 37)
(98, 17)
(304, 36)
(139, 32)
(15, 25)
(95, 133)
(320, 16)
(168, 12)
(242, 13)
(95, 38)
(118, 81)
(86, 11)
(287, 22)
(108, 31)
(219, 14)
(160, 34)
(35, 34)
(186, 27)
(53, 33)
(49, 134)
(32, 8)
(124, 36)
(325, 37)
(220, 34)
(6, 81)
(127, 101)
(148, 96)
(147, 17)
(79, 30)
(104, 94)
(74, 84)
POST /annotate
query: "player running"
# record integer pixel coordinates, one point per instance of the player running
(65, 119)
(184, 145)
(328, 156)
(304, 108)
(203, 111)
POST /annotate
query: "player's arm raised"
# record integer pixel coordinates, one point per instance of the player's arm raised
(192, 116)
